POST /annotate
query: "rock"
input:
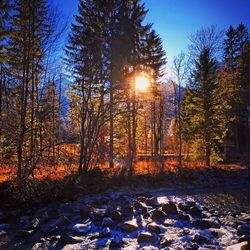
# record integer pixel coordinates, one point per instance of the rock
(216, 232)
(204, 224)
(245, 217)
(105, 232)
(165, 241)
(200, 239)
(195, 211)
(35, 223)
(2, 233)
(190, 203)
(24, 233)
(137, 205)
(243, 230)
(67, 239)
(169, 208)
(82, 228)
(46, 212)
(66, 208)
(169, 222)
(183, 207)
(244, 238)
(107, 222)
(144, 212)
(157, 215)
(44, 217)
(149, 248)
(193, 247)
(153, 202)
(3, 217)
(99, 213)
(115, 215)
(42, 246)
(145, 237)
(62, 221)
(142, 198)
(154, 228)
(184, 231)
(129, 226)
(4, 226)
(240, 246)
(116, 241)
(184, 216)
(85, 211)
(94, 236)
(24, 220)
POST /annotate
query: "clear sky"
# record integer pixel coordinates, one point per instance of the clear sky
(175, 20)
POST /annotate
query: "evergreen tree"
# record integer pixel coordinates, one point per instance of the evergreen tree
(29, 32)
(88, 65)
(231, 80)
(202, 109)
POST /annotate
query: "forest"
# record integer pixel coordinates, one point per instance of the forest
(99, 112)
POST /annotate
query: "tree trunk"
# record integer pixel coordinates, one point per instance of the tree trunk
(111, 129)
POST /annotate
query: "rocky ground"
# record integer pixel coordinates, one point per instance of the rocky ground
(141, 219)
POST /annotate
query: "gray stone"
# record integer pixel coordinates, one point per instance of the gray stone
(115, 215)
(105, 232)
(243, 230)
(2, 233)
(204, 224)
(24, 220)
(4, 226)
(154, 228)
(169, 208)
(67, 239)
(193, 247)
(42, 246)
(107, 222)
(24, 233)
(157, 215)
(195, 211)
(82, 228)
(152, 202)
(85, 211)
(200, 239)
(129, 226)
(145, 237)
(62, 221)
(116, 241)
(183, 207)
(165, 241)
(240, 246)
(184, 216)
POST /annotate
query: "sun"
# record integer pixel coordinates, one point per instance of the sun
(141, 83)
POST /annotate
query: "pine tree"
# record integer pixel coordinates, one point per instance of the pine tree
(88, 64)
(202, 109)
(29, 30)
(231, 80)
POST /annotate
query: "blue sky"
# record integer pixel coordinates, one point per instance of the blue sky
(175, 20)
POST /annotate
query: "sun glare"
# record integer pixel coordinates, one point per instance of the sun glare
(141, 83)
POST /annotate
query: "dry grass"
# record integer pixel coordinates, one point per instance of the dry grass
(8, 172)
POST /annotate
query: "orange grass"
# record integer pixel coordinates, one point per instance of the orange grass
(57, 172)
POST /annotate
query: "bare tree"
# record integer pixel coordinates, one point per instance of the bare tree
(210, 37)
(180, 70)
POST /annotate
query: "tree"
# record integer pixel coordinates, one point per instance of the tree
(180, 70)
(231, 79)
(31, 36)
(88, 65)
(202, 108)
